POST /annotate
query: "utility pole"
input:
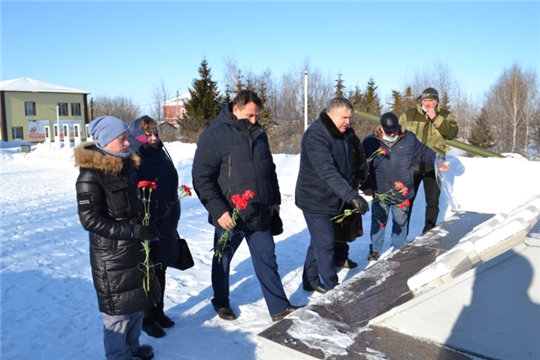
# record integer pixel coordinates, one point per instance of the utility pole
(305, 101)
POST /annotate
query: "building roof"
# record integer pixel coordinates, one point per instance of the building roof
(26, 84)
(179, 98)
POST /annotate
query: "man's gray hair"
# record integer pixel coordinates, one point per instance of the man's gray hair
(339, 103)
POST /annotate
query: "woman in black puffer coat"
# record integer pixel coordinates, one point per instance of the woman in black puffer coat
(108, 206)
(156, 165)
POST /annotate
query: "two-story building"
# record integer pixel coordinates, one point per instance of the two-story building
(28, 107)
(174, 109)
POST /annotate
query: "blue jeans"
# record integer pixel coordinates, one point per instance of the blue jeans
(400, 225)
(262, 249)
(121, 335)
(320, 254)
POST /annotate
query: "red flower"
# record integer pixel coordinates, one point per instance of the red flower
(147, 184)
(249, 194)
(237, 199)
(240, 203)
(404, 204)
(380, 150)
(383, 225)
(146, 265)
(185, 191)
(401, 188)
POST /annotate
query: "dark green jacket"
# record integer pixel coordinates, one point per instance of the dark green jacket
(432, 132)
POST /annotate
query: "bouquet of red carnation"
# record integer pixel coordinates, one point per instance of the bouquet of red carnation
(386, 198)
(240, 203)
(144, 185)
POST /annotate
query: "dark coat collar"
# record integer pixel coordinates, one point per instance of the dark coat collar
(227, 116)
(329, 124)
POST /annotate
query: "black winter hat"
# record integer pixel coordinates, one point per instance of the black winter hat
(430, 93)
(390, 122)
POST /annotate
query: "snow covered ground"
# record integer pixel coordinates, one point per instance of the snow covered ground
(48, 303)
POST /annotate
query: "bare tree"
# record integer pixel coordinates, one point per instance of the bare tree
(160, 94)
(119, 106)
(512, 104)
(531, 111)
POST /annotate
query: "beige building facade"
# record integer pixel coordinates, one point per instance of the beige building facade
(30, 108)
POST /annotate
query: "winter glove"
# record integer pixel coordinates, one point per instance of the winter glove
(360, 204)
(145, 232)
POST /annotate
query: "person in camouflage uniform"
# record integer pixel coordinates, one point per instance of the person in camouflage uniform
(432, 125)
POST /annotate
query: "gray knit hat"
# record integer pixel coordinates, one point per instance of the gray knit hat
(105, 129)
(430, 93)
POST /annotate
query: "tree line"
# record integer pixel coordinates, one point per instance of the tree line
(508, 120)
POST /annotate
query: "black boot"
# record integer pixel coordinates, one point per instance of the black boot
(152, 329)
(163, 320)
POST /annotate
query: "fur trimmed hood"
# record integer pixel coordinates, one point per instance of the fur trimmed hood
(88, 156)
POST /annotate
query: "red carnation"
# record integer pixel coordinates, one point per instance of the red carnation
(147, 184)
(249, 194)
(401, 188)
(186, 190)
(240, 203)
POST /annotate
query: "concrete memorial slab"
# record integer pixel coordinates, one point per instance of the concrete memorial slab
(337, 325)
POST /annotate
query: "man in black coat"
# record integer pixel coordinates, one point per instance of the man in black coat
(324, 187)
(232, 157)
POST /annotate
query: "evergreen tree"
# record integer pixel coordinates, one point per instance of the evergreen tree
(265, 114)
(480, 133)
(368, 102)
(371, 102)
(205, 102)
(339, 87)
(239, 84)
(409, 100)
(355, 97)
(445, 101)
(397, 104)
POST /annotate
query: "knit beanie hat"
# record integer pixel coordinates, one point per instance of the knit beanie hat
(430, 93)
(136, 131)
(105, 129)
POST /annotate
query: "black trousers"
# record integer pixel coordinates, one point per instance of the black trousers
(432, 193)
(341, 251)
(158, 309)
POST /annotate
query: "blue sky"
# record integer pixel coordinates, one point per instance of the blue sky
(126, 48)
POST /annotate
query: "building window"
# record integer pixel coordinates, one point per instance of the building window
(75, 109)
(30, 108)
(62, 109)
(17, 132)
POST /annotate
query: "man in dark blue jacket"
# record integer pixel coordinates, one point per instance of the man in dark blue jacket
(233, 156)
(324, 187)
(390, 179)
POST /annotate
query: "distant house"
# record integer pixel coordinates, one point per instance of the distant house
(174, 109)
(27, 106)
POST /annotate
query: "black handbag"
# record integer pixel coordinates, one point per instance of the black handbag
(277, 224)
(349, 229)
(184, 260)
